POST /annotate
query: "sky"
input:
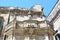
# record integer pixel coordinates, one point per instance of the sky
(46, 4)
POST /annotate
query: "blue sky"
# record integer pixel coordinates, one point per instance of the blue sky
(46, 4)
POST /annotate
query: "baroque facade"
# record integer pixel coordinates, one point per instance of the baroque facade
(54, 17)
(25, 24)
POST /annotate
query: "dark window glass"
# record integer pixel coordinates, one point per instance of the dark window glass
(1, 22)
(57, 37)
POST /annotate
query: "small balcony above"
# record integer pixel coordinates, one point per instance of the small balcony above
(29, 27)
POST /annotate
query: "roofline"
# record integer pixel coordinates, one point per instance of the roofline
(53, 8)
(55, 16)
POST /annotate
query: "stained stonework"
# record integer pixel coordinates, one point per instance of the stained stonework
(25, 24)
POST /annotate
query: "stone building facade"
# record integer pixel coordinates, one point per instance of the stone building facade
(25, 24)
(54, 17)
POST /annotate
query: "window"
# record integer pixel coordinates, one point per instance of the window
(1, 24)
(57, 37)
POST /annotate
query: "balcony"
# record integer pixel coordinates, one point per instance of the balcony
(29, 28)
(33, 31)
